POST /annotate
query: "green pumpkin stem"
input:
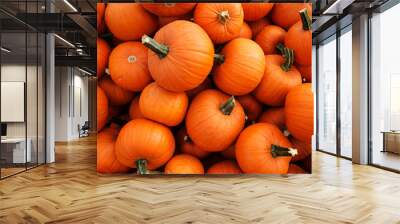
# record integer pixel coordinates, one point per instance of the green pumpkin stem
(223, 16)
(219, 58)
(305, 19)
(282, 151)
(160, 49)
(280, 47)
(227, 107)
(141, 166)
(288, 54)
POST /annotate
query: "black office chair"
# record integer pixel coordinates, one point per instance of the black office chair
(84, 129)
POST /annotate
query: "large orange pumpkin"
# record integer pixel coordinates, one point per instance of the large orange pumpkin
(169, 9)
(256, 11)
(221, 21)
(103, 51)
(245, 31)
(128, 66)
(115, 94)
(214, 120)
(129, 21)
(274, 115)
(106, 159)
(306, 72)
(134, 109)
(102, 109)
(224, 167)
(279, 77)
(101, 7)
(299, 38)
(258, 25)
(180, 57)
(145, 145)
(184, 164)
(299, 112)
(269, 37)
(240, 68)
(163, 106)
(187, 146)
(285, 15)
(262, 148)
(251, 107)
(303, 149)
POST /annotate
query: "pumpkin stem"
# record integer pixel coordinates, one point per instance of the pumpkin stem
(280, 47)
(305, 19)
(227, 107)
(219, 58)
(288, 54)
(141, 166)
(160, 49)
(282, 151)
(223, 16)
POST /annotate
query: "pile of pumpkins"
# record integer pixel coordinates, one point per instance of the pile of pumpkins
(206, 88)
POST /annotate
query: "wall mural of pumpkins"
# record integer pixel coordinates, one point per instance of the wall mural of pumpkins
(206, 88)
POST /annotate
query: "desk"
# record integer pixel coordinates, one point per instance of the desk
(15, 148)
(391, 141)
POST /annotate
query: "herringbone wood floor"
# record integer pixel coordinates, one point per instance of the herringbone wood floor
(70, 191)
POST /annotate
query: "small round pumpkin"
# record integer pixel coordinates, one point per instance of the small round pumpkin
(101, 7)
(128, 66)
(184, 164)
(274, 115)
(251, 106)
(221, 21)
(306, 72)
(102, 109)
(115, 94)
(299, 112)
(168, 9)
(295, 169)
(145, 145)
(258, 25)
(187, 146)
(224, 167)
(245, 31)
(285, 15)
(240, 68)
(180, 57)
(303, 149)
(123, 21)
(256, 11)
(230, 152)
(214, 120)
(163, 106)
(262, 148)
(103, 51)
(269, 37)
(134, 109)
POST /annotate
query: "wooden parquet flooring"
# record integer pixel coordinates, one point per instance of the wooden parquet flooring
(70, 191)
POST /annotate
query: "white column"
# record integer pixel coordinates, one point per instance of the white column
(50, 98)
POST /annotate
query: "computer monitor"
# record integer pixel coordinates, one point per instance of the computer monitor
(3, 129)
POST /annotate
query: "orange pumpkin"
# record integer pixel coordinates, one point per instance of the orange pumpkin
(214, 120)
(256, 11)
(106, 159)
(221, 21)
(251, 106)
(279, 77)
(299, 38)
(306, 72)
(128, 66)
(115, 94)
(134, 109)
(240, 68)
(295, 169)
(285, 15)
(224, 167)
(101, 7)
(274, 115)
(262, 148)
(168, 9)
(145, 145)
(187, 146)
(123, 21)
(299, 112)
(245, 31)
(163, 106)
(258, 25)
(269, 37)
(303, 149)
(206, 84)
(184, 164)
(102, 109)
(103, 50)
(178, 61)
(164, 20)
(230, 152)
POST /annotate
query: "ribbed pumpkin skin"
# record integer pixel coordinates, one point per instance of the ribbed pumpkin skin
(253, 150)
(102, 109)
(168, 9)
(115, 94)
(301, 42)
(255, 11)
(128, 66)
(269, 37)
(163, 106)
(103, 51)
(306, 72)
(134, 109)
(206, 15)
(101, 7)
(295, 169)
(258, 25)
(187, 146)
(274, 115)
(208, 127)
(224, 167)
(299, 112)
(245, 31)
(230, 152)
(242, 69)
(184, 164)
(122, 21)
(251, 106)
(106, 159)
(303, 149)
(189, 60)
(144, 139)
(285, 15)
(276, 83)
